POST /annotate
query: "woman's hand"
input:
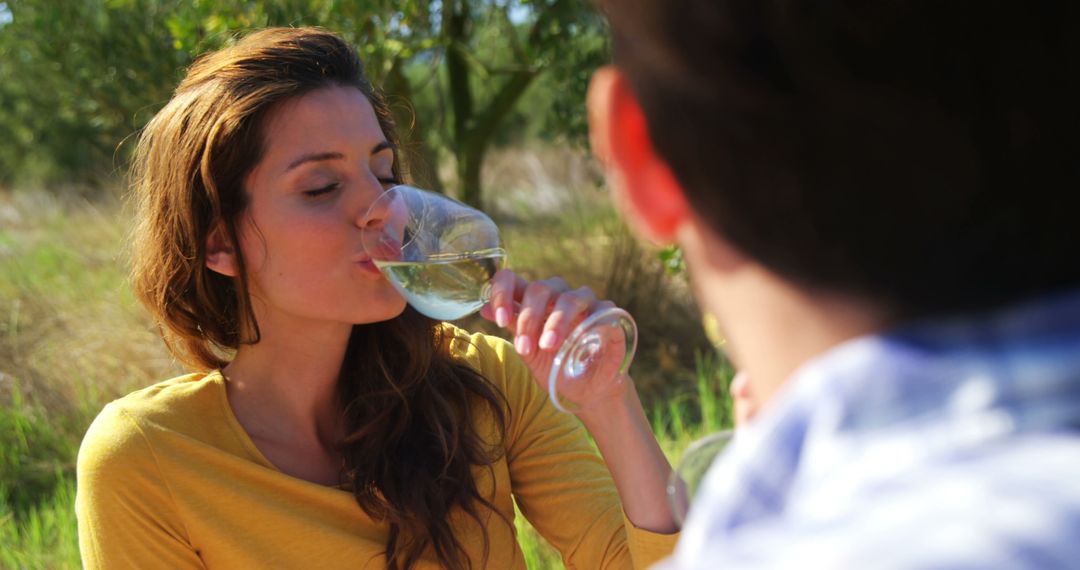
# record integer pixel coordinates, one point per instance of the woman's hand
(541, 315)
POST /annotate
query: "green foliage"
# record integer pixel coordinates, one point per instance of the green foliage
(78, 79)
(672, 258)
(561, 92)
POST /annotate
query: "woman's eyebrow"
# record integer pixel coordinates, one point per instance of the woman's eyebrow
(314, 157)
(381, 147)
(321, 156)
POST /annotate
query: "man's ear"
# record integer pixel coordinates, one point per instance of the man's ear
(220, 253)
(645, 187)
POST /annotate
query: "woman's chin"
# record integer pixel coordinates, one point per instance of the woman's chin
(390, 306)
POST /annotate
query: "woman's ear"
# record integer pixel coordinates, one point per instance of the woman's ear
(220, 253)
(645, 188)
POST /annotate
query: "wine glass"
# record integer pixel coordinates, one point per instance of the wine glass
(685, 479)
(441, 255)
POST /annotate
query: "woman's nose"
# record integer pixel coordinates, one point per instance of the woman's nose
(384, 223)
(373, 212)
(370, 197)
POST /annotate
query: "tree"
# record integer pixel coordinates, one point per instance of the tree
(77, 78)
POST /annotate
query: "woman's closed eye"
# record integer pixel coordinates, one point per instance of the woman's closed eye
(322, 190)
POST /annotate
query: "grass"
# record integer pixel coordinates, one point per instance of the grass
(43, 536)
(72, 338)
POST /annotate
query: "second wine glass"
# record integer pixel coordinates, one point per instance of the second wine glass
(441, 255)
(689, 472)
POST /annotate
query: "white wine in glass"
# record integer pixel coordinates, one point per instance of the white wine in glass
(437, 252)
(448, 286)
(441, 255)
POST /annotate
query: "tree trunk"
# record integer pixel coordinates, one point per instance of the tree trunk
(472, 131)
(420, 160)
(470, 160)
(455, 30)
(470, 155)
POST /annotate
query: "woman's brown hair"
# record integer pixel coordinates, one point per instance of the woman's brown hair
(409, 408)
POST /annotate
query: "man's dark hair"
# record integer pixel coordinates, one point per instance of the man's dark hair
(922, 155)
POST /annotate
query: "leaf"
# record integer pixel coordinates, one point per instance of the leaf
(672, 258)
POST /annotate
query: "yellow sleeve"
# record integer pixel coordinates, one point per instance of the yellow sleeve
(559, 481)
(648, 548)
(126, 514)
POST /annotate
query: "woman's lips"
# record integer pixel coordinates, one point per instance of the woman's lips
(369, 266)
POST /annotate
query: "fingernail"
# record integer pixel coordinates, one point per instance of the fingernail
(502, 316)
(547, 340)
(523, 344)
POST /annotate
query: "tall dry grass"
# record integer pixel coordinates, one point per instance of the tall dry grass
(71, 339)
(71, 335)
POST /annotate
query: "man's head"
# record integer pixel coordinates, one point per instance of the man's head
(919, 156)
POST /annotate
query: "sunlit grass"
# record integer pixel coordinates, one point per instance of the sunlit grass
(44, 536)
(71, 338)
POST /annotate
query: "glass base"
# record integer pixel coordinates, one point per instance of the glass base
(581, 357)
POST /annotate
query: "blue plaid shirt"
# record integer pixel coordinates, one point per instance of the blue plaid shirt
(953, 444)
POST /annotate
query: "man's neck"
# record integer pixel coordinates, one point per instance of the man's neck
(776, 328)
(771, 326)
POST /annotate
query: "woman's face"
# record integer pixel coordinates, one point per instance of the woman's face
(326, 160)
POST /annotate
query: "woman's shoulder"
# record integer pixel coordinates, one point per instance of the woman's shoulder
(128, 460)
(183, 404)
(177, 397)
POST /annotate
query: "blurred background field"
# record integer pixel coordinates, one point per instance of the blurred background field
(495, 116)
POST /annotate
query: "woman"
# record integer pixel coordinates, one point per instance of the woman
(328, 424)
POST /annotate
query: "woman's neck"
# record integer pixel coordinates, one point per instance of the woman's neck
(283, 388)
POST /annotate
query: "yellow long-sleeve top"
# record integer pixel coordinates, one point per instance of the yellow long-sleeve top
(167, 478)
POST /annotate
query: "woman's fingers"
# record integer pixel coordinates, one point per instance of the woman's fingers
(569, 310)
(540, 314)
(505, 285)
(535, 303)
